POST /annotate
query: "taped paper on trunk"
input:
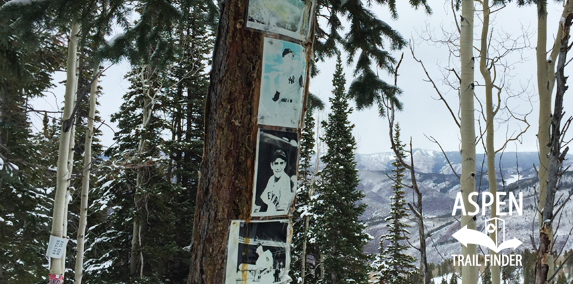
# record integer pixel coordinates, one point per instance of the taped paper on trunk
(56, 247)
(258, 252)
(286, 17)
(275, 173)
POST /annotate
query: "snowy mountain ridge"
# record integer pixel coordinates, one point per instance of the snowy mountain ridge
(515, 173)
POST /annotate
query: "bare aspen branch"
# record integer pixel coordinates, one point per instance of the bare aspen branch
(432, 139)
(435, 87)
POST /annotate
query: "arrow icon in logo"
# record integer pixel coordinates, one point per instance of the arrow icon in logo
(467, 236)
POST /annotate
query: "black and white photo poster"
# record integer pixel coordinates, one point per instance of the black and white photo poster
(258, 252)
(286, 17)
(282, 83)
(275, 173)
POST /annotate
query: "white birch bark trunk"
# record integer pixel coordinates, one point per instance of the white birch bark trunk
(86, 183)
(544, 270)
(136, 255)
(70, 160)
(467, 129)
(545, 85)
(490, 147)
(59, 221)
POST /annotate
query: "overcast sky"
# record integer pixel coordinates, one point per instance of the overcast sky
(423, 114)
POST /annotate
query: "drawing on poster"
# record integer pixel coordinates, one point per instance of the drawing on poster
(286, 17)
(282, 83)
(275, 173)
(258, 252)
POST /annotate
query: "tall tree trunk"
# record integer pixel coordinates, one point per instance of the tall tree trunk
(70, 161)
(467, 129)
(59, 221)
(417, 208)
(490, 114)
(85, 183)
(545, 88)
(136, 256)
(227, 170)
(545, 85)
(543, 263)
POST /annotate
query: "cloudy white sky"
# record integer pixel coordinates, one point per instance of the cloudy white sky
(423, 114)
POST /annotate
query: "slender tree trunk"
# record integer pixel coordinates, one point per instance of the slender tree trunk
(543, 262)
(59, 220)
(303, 254)
(417, 208)
(490, 147)
(86, 183)
(70, 162)
(545, 85)
(468, 178)
(424, 273)
(136, 256)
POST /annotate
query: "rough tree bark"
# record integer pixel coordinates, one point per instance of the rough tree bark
(555, 160)
(226, 176)
(467, 129)
(85, 183)
(59, 220)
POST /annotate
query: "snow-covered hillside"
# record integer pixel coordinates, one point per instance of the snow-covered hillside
(439, 187)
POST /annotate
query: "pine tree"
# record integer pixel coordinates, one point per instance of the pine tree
(561, 279)
(155, 163)
(28, 57)
(454, 279)
(486, 276)
(339, 232)
(394, 264)
(304, 252)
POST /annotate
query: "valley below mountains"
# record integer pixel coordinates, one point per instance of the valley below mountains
(516, 173)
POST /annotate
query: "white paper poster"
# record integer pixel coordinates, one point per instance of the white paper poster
(275, 173)
(282, 83)
(258, 252)
(56, 247)
(286, 17)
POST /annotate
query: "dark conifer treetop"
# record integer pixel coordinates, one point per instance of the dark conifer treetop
(394, 265)
(340, 234)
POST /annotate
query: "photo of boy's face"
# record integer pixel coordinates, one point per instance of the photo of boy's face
(278, 167)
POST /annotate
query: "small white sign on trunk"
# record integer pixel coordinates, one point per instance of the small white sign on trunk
(56, 247)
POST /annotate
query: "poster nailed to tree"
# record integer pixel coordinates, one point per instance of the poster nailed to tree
(275, 173)
(290, 18)
(282, 83)
(258, 252)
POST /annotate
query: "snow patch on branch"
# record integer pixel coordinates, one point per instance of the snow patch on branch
(113, 39)
(19, 3)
